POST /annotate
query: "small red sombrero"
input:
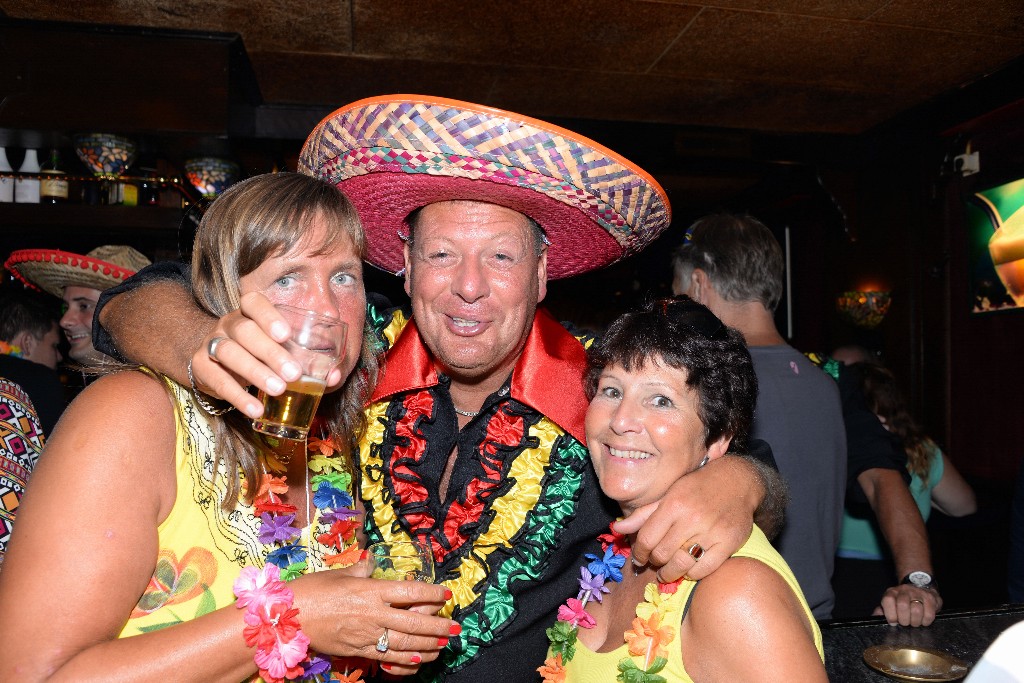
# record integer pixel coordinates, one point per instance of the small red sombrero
(394, 154)
(52, 269)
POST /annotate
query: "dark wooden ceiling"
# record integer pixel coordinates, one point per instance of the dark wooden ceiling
(788, 66)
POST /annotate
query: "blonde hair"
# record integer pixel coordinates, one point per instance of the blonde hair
(258, 219)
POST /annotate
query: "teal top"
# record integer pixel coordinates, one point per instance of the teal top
(860, 538)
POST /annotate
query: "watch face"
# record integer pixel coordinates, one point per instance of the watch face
(919, 579)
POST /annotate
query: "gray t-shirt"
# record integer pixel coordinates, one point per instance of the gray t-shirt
(799, 414)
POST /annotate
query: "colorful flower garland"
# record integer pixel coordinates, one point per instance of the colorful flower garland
(647, 638)
(272, 627)
(9, 349)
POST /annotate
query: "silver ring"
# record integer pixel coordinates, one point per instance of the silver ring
(382, 642)
(211, 348)
(921, 602)
(696, 551)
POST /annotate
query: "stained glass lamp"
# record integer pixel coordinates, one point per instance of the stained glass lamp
(211, 175)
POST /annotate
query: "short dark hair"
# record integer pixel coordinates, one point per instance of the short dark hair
(740, 255)
(685, 335)
(26, 311)
(540, 238)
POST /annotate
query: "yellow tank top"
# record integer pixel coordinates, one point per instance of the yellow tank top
(202, 548)
(588, 666)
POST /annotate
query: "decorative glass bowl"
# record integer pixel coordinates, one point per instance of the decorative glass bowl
(211, 175)
(864, 309)
(105, 154)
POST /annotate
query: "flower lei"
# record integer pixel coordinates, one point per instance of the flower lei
(9, 349)
(647, 638)
(272, 627)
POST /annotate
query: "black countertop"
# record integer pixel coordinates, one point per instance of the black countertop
(965, 635)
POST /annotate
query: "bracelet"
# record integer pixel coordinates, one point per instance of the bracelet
(203, 403)
(271, 623)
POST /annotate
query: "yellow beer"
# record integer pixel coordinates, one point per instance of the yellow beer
(290, 414)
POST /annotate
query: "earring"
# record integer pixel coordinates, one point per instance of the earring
(400, 272)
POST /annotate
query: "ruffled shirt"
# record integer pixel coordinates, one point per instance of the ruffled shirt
(522, 506)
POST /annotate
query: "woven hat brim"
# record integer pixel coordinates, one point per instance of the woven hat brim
(53, 270)
(383, 200)
(388, 141)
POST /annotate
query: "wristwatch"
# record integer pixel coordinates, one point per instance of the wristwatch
(919, 578)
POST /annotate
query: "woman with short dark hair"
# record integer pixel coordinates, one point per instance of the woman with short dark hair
(672, 388)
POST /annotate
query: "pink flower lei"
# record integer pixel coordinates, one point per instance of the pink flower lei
(271, 621)
(647, 637)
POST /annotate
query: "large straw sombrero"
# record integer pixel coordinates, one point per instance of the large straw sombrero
(394, 154)
(52, 269)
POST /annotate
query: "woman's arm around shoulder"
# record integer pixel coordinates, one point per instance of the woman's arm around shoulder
(746, 624)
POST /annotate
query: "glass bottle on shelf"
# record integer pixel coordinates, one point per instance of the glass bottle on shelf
(53, 189)
(6, 184)
(26, 190)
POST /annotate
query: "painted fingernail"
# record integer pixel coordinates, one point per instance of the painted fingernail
(416, 659)
(442, 641)
(363, 555)
(455, 629)
(447, 594)
(386, 667)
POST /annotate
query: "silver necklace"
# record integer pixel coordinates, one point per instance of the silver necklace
(467, 413)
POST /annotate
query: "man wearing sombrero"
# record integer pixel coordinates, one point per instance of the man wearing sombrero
(475, 432)
(78, 281)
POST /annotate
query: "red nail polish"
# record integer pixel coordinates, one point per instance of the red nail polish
(447, 594)
(386, 667)
(455, 629)
(416, 659)
(363, 555)
(442, 641)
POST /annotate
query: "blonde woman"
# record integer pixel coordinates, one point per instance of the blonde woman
(153, 509)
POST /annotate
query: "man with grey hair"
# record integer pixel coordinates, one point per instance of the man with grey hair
(734, 266)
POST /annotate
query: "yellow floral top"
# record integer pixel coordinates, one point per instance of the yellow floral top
(202, 548)
(659, 617)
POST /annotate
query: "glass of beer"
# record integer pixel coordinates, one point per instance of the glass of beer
(317, 343)
(401, 561)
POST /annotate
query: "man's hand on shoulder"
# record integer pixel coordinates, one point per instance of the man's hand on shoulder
(712, 508)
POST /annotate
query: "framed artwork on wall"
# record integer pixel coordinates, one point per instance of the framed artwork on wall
(995, 223)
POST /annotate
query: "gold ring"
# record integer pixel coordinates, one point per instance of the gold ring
(696, 551)
(921, 602)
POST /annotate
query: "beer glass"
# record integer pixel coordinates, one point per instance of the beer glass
(317, 343)
(401, 561)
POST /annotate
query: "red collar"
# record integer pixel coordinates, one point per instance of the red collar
(548, 376)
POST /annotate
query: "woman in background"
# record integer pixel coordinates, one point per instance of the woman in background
(934, 481)
(863, 565)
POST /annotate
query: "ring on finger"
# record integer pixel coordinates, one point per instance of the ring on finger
(920, 602)
(211, 348)
(382, 642)
(696, 551)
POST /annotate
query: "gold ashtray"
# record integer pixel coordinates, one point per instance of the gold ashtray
(915, 664)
